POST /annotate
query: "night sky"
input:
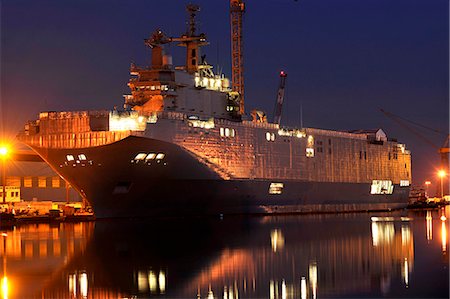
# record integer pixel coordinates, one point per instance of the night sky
(345, 59)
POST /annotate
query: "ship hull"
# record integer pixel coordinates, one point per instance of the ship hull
(117, 184)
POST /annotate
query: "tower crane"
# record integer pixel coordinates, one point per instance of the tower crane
(280, 99)
(237, 9)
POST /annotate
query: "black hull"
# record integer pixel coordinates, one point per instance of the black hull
(181, 184)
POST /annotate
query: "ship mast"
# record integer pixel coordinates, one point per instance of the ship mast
(237, 9)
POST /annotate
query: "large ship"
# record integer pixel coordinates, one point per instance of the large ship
(183, 144)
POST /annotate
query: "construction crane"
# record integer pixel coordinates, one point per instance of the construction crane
(443, 150)
(237, 9)
(280, 99)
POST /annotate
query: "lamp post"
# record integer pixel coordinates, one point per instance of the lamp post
(441, 175)
(3, 155)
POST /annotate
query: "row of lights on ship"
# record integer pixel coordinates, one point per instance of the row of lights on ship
(147, 158)
(76, 160)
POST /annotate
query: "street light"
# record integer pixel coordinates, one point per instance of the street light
(3, 155)
(442, 174)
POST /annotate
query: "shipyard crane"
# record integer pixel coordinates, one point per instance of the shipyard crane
(443, 150)
(408, 124)
(237, 9)
(280, 99)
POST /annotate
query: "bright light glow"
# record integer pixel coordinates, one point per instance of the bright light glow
(442, 173)
(309, 152)
(270, 136)
(152, 281)
(444, 236)
(292, 133)
(313, 279)
(204, 124)
(283, 289)
(160, 156)
(83, 285)
(276, 188)
(443, 218)
(3, 151)
(429, 226)
(5, 287)
(140, 156)
(127, 121)
(381, 187)
(272, 290)
(303, 288)
(82, 157)
(73, 284)
(405, 271)
(150, 156)
(162, 282)
(70, 158)
(142, 281)
(276, 239)
(382, 232)
(406, 235)
(427, 183)
(404, 183)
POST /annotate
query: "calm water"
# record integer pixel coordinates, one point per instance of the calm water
(315, 256)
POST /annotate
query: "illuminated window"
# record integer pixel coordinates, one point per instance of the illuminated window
(140, 156)
(27, 182)
(227, 132)
(270, 136)
(70, 158)
(309, 152)
(381, 187)
(42, 182)
(160, 156)
(13, 181)
(150, 156)
(82, 157)
(404, 183)
(276, 188)
(310, 142)
(56, 182)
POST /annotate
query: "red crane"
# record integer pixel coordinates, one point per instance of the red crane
(280, 99)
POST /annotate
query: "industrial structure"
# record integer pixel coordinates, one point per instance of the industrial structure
(184, 145)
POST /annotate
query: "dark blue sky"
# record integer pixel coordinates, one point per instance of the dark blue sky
(345, 59)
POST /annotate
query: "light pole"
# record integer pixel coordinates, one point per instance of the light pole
(442, 175)
(3, 155)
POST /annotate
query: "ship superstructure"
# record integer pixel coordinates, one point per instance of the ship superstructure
(183, 144)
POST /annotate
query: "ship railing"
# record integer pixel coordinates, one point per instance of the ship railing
(331, 133)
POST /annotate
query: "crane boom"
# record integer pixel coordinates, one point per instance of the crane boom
(280, 99)
(237, 9)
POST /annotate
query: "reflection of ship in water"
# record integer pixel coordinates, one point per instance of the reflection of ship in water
(301, 257)
(33, 255)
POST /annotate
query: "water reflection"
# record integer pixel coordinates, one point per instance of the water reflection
(32, 255)
(265, 257)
